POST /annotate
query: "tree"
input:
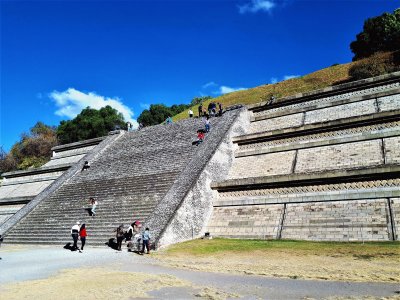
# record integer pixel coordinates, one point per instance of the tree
(155, 115)
(381, 33)
(159, 112)
(33, 149)
(90, 123)
(7, 162)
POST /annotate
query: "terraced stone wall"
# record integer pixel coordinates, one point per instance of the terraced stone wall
(320, 166)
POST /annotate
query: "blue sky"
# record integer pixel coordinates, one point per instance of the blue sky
(60, 56)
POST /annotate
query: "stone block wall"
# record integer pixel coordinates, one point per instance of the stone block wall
(392, 150)
(294, 120)
(325, 168)
(324, 101)
(262, 165)
(340, 220)
(340, 112)
(247, 221)
(395, 206)
(343, 156)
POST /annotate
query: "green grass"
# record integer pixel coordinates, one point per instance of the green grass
(219, 246)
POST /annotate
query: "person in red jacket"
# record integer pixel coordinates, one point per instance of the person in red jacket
(82, 236)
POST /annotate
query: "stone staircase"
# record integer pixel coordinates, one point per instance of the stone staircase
(324, 165)
(129, 179)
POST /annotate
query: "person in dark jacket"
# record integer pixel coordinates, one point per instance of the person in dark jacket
(200, 110)
(146, 236)
(120, 236)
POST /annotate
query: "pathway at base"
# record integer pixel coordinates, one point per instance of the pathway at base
(40, 262)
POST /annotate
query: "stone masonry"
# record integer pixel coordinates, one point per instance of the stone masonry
(324, 165)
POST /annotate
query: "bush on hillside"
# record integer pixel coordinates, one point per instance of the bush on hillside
(378, 64)
(380, 34)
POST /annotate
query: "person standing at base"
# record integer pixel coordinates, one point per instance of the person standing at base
(120, 236)
(190, 113)
(75, 234)
(83, 235)
(146, 240)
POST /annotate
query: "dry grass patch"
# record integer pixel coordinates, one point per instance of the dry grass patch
(317, 80)
(103, 283)
(369, 262)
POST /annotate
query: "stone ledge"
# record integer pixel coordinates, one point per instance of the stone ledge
(31, 180)
(328, 104)
(318, 127)
(16, 200)
(388, 171)
(394, 192)
(328, 91)
(77, 145)
(40, 170)
(314, 144)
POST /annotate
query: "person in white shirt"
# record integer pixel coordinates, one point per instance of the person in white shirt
(190, 113)
(75, 234)
(94, 203)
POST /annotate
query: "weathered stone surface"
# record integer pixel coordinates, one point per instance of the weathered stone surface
(262, 165)
(252, 221)
(342, 220)
(277, 123)
(326, 176)
(341, 112)
(392, 150)
(191, 217)
(344, 156)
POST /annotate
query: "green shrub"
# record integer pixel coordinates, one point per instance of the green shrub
(378, 64)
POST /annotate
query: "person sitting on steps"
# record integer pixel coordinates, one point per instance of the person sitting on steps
(200, 137)
(86, 166)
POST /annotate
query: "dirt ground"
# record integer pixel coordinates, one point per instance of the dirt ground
(99, 280)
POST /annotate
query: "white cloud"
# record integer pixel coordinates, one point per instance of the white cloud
(71, 102)
(209, 84)
(274, 80)
(226, 89)
(145, 105)
(287, 77)
(255, 6)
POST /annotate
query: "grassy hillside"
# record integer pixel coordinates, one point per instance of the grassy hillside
(317, 80)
